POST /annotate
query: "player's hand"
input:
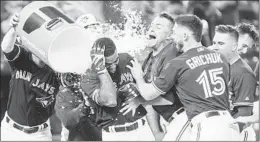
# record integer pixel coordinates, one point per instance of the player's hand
(136, 69)
(98, 58)
(14, 20)
(130, 105)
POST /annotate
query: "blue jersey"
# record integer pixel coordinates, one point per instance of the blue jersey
(32, 89)
(200, 77)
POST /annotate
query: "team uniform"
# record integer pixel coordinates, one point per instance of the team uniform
(79, 125)
(31, 99)
(172, 116)
(128, 127)
(200, 77)
(242, 87)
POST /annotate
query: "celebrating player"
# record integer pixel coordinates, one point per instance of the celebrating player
(163, 50)
(33, 88)
(248, 37)
(109, 68)
(242, 80)
(200, 77)
(89, 22)
(74, 111)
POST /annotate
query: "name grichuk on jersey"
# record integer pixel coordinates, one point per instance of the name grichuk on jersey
(121, 77)
(200, 77)
(32, 89)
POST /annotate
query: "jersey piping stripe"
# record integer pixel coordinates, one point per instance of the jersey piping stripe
(17, 55)
(198, 133)
(246, 136)
(159, 90)
(182, 130)
(243, 104)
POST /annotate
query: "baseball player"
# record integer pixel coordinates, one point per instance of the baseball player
(248, 37)
(109, 68)
(33, 88)
(89, 22)
(242, 83)
(74, 111)
(255, 117)
(163, 50)
(200, 77)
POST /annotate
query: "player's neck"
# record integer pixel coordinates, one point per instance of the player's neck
(233, 58)
(160, 47)
(190, 45)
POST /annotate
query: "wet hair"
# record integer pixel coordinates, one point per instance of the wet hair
(247, 28)
(168, 17)
(227, 29)
(109, 44)
(193, 23)
(199, 11)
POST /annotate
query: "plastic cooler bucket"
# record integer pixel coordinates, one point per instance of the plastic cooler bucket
(54, 37)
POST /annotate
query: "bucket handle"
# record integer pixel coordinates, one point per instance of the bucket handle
(52, 23)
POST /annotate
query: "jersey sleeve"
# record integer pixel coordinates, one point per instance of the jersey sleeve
(167, 78)
(244, 89)
(90, 84)
(17, 57)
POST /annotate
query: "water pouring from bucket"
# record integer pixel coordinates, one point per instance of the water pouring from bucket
(55, 38)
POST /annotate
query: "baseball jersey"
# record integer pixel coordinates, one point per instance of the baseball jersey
(242, 84)
(153, 67)
(78, 124)
(121, 77)
(200, 77)
(256, 71)
(32, 89)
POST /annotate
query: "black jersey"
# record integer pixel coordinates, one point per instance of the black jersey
(32, 89)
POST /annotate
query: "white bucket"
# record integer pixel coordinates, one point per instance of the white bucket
(54, 38)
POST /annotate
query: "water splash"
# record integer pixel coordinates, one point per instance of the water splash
(129, 36)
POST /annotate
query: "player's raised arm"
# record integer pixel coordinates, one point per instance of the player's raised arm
(10, 37)
(103, 90)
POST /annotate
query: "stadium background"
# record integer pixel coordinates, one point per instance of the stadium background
(214, 12)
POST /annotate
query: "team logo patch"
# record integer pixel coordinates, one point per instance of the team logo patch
(45, 101)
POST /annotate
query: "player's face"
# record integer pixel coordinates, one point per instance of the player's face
(244, 43)
(112, 62)
(159, 31)
(224, 43)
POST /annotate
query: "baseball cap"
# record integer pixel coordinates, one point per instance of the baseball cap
(86, 20)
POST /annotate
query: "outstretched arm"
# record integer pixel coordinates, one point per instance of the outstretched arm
(10, 37)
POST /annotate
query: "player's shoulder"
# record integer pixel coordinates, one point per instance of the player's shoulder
(240, 68)
(170, 51)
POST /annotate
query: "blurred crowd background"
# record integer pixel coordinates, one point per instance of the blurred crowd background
(212, 12)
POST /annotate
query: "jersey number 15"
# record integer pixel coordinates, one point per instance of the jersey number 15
(212, 80)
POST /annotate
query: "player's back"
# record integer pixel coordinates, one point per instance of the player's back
(202, 81)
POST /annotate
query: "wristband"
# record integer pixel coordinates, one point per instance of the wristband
(102, 72)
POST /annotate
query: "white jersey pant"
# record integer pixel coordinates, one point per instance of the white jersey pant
(9, 133)
(248, 134)
(221, 127)
(64, 133)
(178, 129)
(142, 133)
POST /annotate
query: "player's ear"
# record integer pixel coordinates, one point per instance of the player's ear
(235, 47)
(185, 36)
